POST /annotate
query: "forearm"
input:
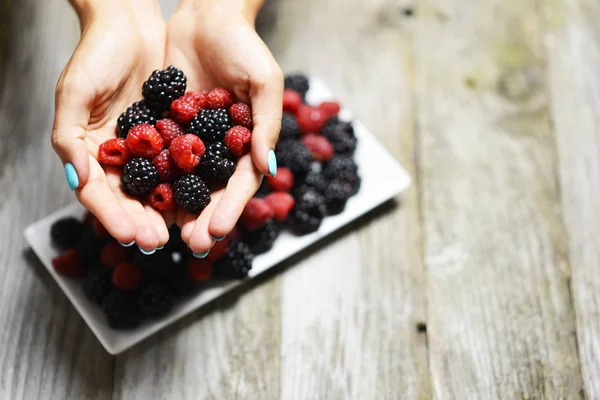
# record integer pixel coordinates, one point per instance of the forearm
(248, 9)
(92, 10)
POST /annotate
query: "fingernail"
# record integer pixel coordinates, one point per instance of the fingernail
(272, 162)
(160, 247)
(127, 244)
(71, 175)
(200, 255)
(146, 252)
(218, 239)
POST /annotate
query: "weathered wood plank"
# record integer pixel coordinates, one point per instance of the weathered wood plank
(500, 319)
(46, 351)
(349, 311)
(574, 77)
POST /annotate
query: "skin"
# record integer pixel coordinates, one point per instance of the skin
(215, 44)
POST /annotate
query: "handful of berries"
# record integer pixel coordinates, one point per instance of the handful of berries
(175, 146)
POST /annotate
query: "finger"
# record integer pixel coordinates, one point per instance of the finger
(98, 197)
(159, 224)
(266, 97)
(73, 100)
(241, 187)
(201, 241)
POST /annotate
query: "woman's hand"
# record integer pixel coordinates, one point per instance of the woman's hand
(214, 42)
(122, 42)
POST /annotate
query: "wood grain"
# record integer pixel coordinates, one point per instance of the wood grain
(46, 350)
(573, 38)
(500, 322)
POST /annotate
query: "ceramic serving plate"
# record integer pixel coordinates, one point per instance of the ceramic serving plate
(382, 179)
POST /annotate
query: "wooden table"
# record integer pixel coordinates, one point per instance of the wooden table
(493, 106)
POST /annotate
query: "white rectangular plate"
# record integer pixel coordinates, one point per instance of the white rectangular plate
(382, 179)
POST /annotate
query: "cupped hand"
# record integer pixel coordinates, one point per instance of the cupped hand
(118, 50)
(217, 47)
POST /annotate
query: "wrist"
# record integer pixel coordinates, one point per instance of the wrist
(90, 11)
(205, 11)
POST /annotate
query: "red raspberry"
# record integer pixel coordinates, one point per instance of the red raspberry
(187, 106)
(281, 203)
(237, 140)
(310, 119)
(187, 151)
(220, 98)
(330, 108)
(69, 264)
(321, 149)
(99, 229)
(283, 181)
(144, 141)
(200, 98)
(291, 100)
(113, 254)
(162, 197)
(219, 249)
(169, 130)
(126, 276)
(241, 114)
(167, 169)
(114, 152)
(199, 269)
(235, 234)
(256, 214)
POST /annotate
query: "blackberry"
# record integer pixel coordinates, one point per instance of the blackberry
(191, 193)
(298, 82)
(262, 240)
(162, 87)
(315, 180)
(218, 163)
(89, 247)
(211, 125)
(289, 127)
(139, 177)
(335, 124)
(236, 263)
(341, 136)
(154, 267)
(138, 113)
(336, 195)
(296, 157)
(155, 301)
(340, 167)
(121, 310)
(263, 189)
(354, 181)
(308, 212)
(96, 284)
(66, 232)
(178, 281)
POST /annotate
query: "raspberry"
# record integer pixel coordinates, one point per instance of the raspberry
(200, 98)
(237, 140)
(261, 240)
(235, 234)
(96, 284)
(236, 263)
(155, 301)
(114, 152)
(191, 193)
(187, 150)
(138, 113)
(319, 146)
(310, 119)
(291, 101)
(298, 82)
(241, 114)
(113, 254)
(281, 203)
(218, 164)
(330, 108)
(126, 276)
(144, 141)
(162, 87)
(283, 181)
(121, 310)
(289, 127)
(169, 130)
(308, 212)
(66, 232)
(294, 155)
(99, 229)
(219, 249)
(69, 264)
(139, 177)
(166, 167)
(199, 270)
(256, 213)
(162, 197)
(211, 125)
(220, 98)
(187, 106)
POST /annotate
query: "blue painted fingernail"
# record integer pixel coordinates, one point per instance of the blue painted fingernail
(200, 255)
(127, 244)
(272, 162)
(218, 239)
(160, 247)
(147, 252)
(71, 175)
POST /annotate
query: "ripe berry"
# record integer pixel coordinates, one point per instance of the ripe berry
(211, 125)
(219, 249)
(162, 87)
(155, 301)
(237, 140)
(261, 240)
(310, 119)
(283, 181)
(122, 311)
(191, 193)
(144, 141)
(126, 276)
(281, 203)
(291, 101)
(139, 177)
(256, 213)
(69, 264)
(114, 152)
(96, 284)
(220, 98)
(308, 212)
(169, 130)
(218, 164)
(319, 146)
(330, 108)
(166, 167)
(66, 232)
(113, 254)
(187, 151)
(162, 197)
(295, 156)
(99, 229)
(241, 114)
(289, 127)
(236, 263)
(336, 195)
(138, 113)
(199, 270)
(298, 82)
(187, 106)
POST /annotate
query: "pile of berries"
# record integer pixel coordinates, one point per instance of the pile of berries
(175, 146)
(316, 178)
